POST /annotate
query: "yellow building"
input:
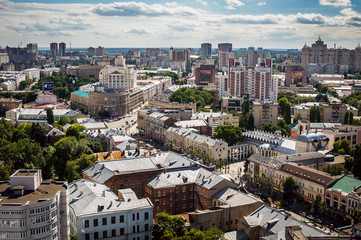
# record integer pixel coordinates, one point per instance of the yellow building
(265, 113)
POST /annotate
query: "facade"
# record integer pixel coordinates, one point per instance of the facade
(91, 52)
(232, 104)
(32, 73)
(10, 103)
(98, 213)
(184, 190)
(206, 50)
(85, 70)
(311, 142)
(223, 59)
(99, 51)
(205, 75)
(331, 60)
(254, 58)
(225, 47)
(155, 125)
(214, 119)
(4, 58)
(62, 49)
(265, 113)
(33, 209)
(340, 194)
(46, 98)
(295, 75)
(348, 132)
(28, 53)
(255, 82)
(117, 77)
(53, 49)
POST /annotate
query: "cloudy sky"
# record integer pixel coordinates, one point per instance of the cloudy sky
(187, 23)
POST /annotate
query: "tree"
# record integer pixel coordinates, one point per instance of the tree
(289, 185)
(342, 147)
(356, 216)
(75, 131)
(287, 115)
(346, 119)
(73, 237)
(95, 147)
(169, 225)
(50, 116)
(246, 107)
(74, 168)
(317, 203)
(228, 133)
(315, 114)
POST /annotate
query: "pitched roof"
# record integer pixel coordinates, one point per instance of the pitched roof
(234, 198)
(307, 173)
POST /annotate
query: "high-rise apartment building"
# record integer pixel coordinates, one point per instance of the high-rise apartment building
(225, 47)
(91, 51)
(254, 58)
(33, 209)
(206, 50)
(62, 49)
(256, 82)
(341, 58)
(53, 49)
(28, 53)
(100, 51)
(223, 59)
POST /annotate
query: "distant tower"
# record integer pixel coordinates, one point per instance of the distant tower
(225, 47)
(62, 49)
(171, 57)
(206, 50)
(54, 49)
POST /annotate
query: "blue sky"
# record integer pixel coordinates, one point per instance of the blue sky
(187, 23)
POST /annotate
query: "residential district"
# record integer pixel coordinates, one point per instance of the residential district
(207, 143)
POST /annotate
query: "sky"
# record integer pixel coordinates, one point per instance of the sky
(187, 23)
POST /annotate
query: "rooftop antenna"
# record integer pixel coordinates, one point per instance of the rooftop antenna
(70, 46)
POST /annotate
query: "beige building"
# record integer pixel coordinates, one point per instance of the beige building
(155, 125)
(85, 70)
(232, 104)
(265, 113)
(118, 77)
(311, 142)
(215, 119)
(310, 181)
(10, 103)
(351, 133)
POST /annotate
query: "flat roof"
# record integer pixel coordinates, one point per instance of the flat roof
(80, 93)
(45, 191)
(25, 173)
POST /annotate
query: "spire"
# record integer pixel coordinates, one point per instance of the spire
(319, 38)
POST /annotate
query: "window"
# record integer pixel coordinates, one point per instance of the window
(146, 227)
(146, 215)
(96, 235)
(86, 223)
(121, 218)
(87, 236)
(105, 234)
(137, 216)
(146, 237)
(95, 222)
(133, 229)
(163, 202)
(113, 220)
(104, 221)
(133, 216)
(138, 228)
(122, 231)
(184, 197)
(184, 189)
(163, 193)
(114, 232)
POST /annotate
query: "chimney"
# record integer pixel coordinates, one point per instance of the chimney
(103, 193)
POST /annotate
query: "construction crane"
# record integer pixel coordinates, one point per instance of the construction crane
(20, 44)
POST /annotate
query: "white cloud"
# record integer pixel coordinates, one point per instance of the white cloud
(6, 4)
(336, 3)
(232, 4)
(204, 3)
(132, 9)
(261, 3)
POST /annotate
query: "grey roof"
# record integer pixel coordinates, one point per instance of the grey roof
(102, 171)
(234, 198)
(191, 123)
(311, 137)
(88, 198)
(236, 235)
(198, 175)
(275, 221)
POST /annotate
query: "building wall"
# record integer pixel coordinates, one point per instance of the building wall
(265, 113)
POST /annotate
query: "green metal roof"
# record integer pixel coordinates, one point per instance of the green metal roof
(345, 184)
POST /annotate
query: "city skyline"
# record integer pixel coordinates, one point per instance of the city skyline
(149, 23)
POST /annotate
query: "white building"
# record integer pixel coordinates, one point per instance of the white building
(33, 209)
(32, 73)
(15, 76)
(97, 213)
(118, 77)
(8, 85)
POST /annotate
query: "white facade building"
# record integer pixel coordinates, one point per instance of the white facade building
(118, 77)
(97, 213)
(32, 73)
(32, 209)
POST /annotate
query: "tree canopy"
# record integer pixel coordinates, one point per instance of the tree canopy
(195, 95)
(289, 185)
(229, 133)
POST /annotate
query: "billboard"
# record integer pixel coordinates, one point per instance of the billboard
(48, 86)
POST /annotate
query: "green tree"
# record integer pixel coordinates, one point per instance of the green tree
(50, 116)
(350, 120)
(346, 119)
(95, 147)
(229, 133)
(287, 115)
(315, 114)
(74, 168)
(73, 237)
(289, 185)
(317, 203)
(356, 216)
(246, 106)
(75, 131)
(342, 147)
(175, 226)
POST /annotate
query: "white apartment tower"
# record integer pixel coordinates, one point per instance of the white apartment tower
(33, 209)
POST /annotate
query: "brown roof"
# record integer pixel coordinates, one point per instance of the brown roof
(307, 173)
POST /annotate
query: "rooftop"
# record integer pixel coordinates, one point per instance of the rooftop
(46, 190)
(80, 93)
(234, 198)
(345, 184)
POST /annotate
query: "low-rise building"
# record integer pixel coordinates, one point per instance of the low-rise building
(311, 142)
(232, 104)
(184, 190)
(32, 73)
(215, 119)
(46, 98)
(155, 125)
(265, 113)
(31, 208)
(10, 103)
(98, 213)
